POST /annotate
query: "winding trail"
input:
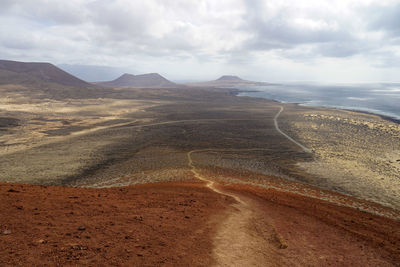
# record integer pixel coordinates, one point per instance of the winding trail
(210, 184)
(305, 149)
(242, 238)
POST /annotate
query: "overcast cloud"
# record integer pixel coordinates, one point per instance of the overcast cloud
(335, 41)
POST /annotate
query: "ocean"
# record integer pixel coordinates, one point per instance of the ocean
(382, 99)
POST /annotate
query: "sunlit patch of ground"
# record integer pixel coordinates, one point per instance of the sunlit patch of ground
(354, 152)
(43, 121)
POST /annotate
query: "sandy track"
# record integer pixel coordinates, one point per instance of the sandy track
(240, 240)
(305, 149)
(261, 230)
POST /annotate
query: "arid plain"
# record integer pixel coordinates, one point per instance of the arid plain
(335, 203)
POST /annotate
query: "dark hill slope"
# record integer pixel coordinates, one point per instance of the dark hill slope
(13, 72)
(44, 80)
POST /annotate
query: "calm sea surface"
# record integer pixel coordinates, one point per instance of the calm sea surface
(382, 99)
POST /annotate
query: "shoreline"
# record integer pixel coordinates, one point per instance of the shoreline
(389, 118)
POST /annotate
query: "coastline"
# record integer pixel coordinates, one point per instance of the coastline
(371, 141)
(389, 118)
(384, 117)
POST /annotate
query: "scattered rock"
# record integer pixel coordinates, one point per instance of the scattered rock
(79, 247)
(42, 241)
(139, 218)
(81, 228)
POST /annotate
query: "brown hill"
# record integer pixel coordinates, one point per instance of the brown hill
(228, 81)
(144, 80)
(14, 72)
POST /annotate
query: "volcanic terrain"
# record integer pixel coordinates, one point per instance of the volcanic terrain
(191, 176)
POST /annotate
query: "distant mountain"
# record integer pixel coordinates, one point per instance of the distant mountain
(144, 80)
(230, 78)
(227, 81)
(14, 72)
(91, 73)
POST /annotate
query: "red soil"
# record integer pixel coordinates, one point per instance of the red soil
(174, 224)
(319, 233)
(149, 225)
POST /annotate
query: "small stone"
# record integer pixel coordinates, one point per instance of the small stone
(81, 228)
(139, 218)
(12, 191)
(283, 246)
(6, 232)
(42, 241)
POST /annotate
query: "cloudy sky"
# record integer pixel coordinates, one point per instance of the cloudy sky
(269, 40)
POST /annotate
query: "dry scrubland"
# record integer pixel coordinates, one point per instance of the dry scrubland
(133, 136)
(139, 136)
(354, 153)
(284, 213)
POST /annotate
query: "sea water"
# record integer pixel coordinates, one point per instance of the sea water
(381, 99)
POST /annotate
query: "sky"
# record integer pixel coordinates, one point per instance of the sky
(336, 41)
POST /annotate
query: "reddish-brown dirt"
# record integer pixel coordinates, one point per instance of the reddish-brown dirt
(186, 224)
(147, 225)
(319, 233)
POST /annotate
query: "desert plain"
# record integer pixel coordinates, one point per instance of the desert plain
(193, 176)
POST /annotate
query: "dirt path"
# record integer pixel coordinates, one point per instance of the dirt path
(241, 239)
(305, 149)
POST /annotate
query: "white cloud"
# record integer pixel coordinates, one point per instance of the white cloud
(206, 38)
